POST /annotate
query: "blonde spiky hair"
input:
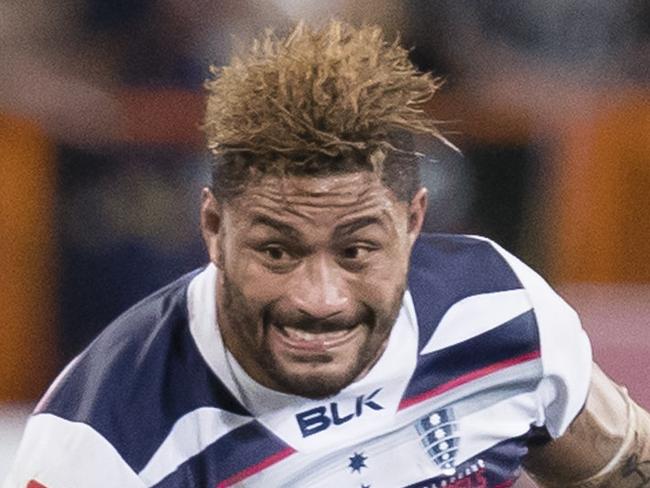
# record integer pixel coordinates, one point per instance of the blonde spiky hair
(317, 95)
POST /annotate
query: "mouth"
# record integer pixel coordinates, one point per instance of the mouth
(316, 340)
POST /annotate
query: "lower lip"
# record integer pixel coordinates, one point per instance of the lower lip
(313, 345)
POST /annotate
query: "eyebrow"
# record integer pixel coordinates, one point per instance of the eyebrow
(355, 225)
(339, 231)
(286, 229)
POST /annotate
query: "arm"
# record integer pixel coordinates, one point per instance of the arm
(607, 445)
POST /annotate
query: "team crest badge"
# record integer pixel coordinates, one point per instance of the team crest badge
(438, 433)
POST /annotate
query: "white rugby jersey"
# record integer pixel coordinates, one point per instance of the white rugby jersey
(483, 358)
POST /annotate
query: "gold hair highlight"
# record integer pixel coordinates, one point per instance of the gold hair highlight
(317, 95)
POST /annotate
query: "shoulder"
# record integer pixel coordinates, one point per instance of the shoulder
(91, 422)
(448, 270)
(119, 355)
(136, 380)
(476, 300)
(467, 264)
(452, 268)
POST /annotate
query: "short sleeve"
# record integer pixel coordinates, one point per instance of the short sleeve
(565, 350)
(57, 453)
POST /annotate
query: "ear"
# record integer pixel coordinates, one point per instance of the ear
(416, 211)
(211, 225)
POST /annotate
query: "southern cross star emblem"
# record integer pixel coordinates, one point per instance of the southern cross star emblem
(357, 462)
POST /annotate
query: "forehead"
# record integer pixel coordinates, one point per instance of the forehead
(322, 200)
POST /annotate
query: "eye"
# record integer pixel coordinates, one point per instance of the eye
(356, 252)
(275, 253)
(277, 257)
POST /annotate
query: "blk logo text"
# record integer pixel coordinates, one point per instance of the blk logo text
(318, 419)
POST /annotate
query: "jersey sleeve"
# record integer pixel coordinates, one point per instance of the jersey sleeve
(565, 350)
(58, 453)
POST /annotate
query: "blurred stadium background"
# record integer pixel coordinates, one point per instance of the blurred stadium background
(101, 161)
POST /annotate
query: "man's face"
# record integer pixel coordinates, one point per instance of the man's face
(312, 274)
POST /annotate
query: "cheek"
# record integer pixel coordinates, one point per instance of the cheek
(381, 285)
(257, 284)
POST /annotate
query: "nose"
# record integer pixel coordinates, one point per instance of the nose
(319, 289)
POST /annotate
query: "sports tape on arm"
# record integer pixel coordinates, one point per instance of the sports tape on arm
(607, 445)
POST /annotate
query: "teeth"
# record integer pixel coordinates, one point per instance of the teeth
(313, 336)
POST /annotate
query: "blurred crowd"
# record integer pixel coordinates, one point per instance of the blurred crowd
(114, 88)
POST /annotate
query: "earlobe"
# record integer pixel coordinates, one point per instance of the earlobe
(211, 224)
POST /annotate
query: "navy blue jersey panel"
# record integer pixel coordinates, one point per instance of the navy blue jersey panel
(511, 340)
(446, 269)
(140, 376)
(242, 449)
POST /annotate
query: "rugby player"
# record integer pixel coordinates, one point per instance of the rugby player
(329, 342)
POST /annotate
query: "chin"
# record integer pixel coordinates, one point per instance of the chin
(315, 381)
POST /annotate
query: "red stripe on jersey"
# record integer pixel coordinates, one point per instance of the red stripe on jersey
(466, 378)
(35, 484)
(256, 468)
